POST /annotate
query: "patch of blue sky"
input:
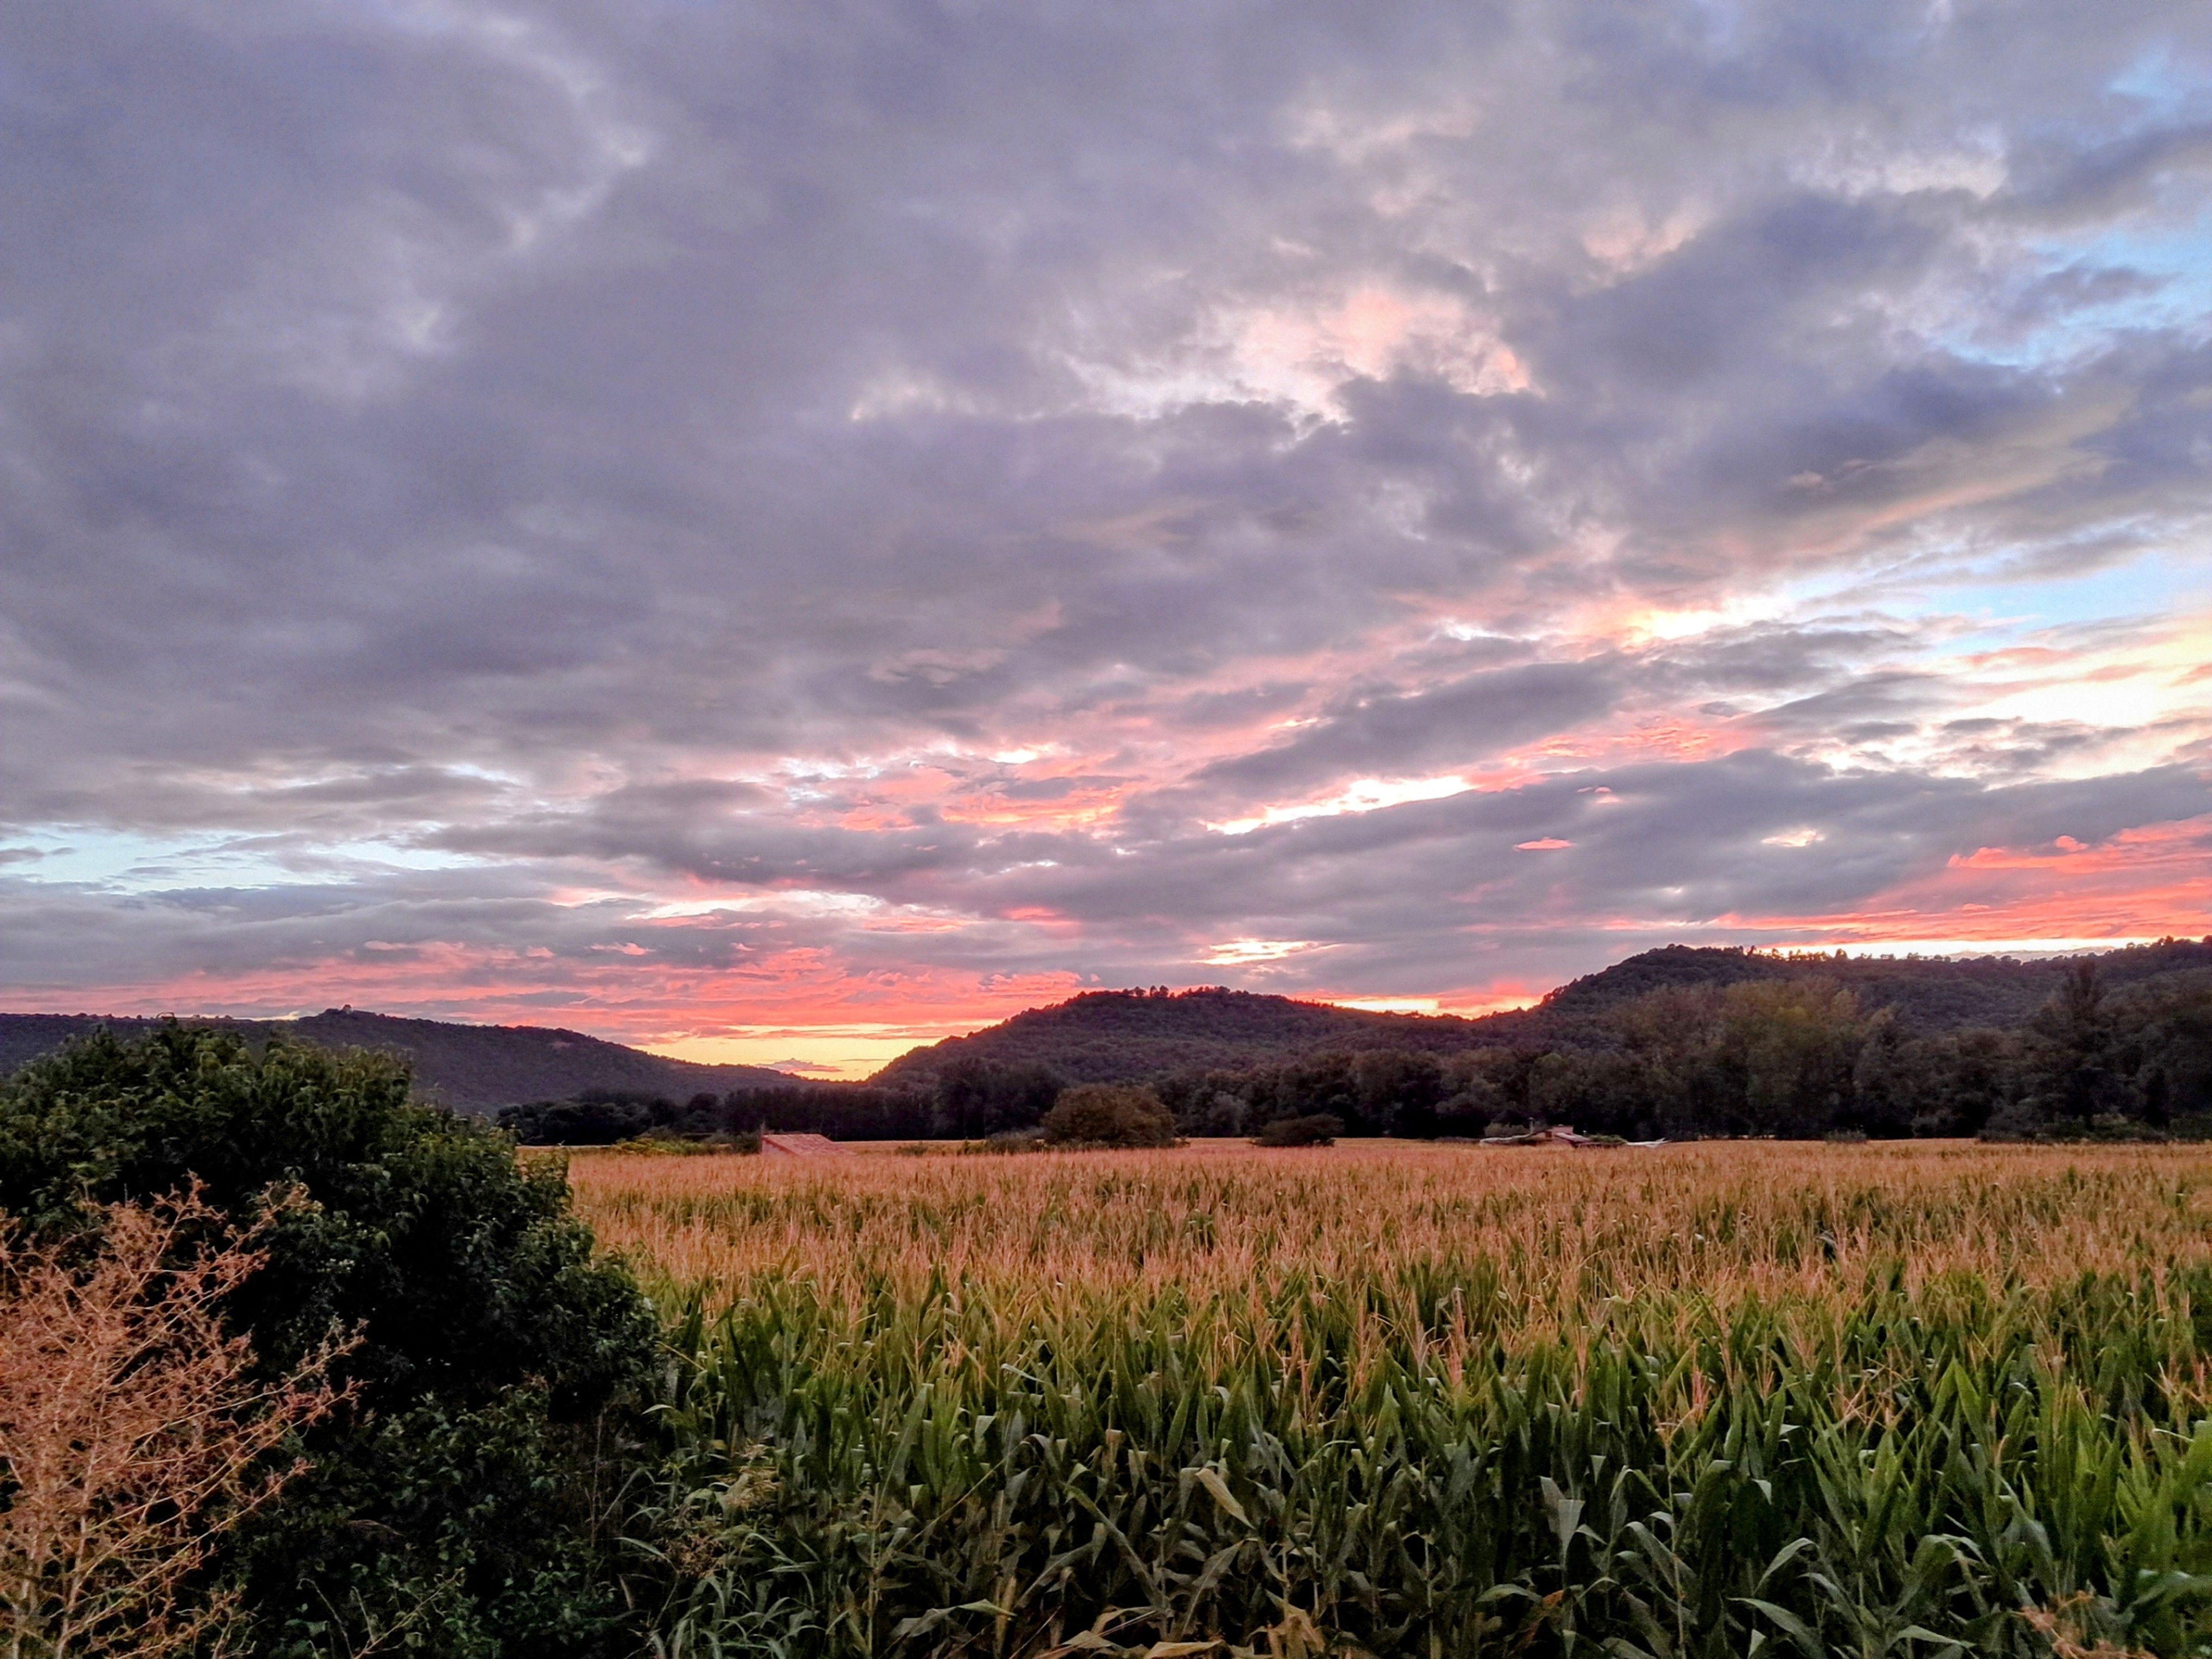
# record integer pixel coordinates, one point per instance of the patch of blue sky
(121, 862)
(2153, 583)
(2175, 253)
(2164, 243)
(2159, 84)
(1987, 602)
(2175, 245)
(2174, 260)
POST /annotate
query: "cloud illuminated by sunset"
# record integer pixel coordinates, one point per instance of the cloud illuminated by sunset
(780, 533)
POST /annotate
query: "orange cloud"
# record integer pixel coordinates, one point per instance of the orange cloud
(2143, 882)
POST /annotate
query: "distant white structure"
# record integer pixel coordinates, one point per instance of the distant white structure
(1561, 1135)
(802, 1146)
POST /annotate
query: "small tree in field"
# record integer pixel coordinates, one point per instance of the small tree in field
(1317, 1129)
(133, 1433)
(1108, 1114)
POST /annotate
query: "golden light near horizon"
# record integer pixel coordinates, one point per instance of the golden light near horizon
(844, 1053)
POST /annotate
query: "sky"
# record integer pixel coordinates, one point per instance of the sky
(778, 531)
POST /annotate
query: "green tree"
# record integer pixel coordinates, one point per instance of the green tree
(1684, 1085)
(978, 1097)
(1481, 1087)
(2071, 1060)
(1398, 1091)
(1953, 1084)
(459, 1505)
(2167, 1038)
(1315, 1084)
(1796, 1044)
(1108, 1114)
(1881, 1097)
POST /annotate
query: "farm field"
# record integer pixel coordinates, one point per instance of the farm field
(1714, 1399)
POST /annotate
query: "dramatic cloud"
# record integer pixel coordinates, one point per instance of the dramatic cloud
(793, 528)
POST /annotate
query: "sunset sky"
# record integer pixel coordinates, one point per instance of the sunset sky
(778, 531)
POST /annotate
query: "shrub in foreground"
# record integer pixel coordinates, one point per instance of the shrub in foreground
(1108, 1114)
(460, 1503)
(134, 1434)
(1319, 1129)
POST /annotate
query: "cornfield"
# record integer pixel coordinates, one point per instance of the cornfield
(1433, 1400)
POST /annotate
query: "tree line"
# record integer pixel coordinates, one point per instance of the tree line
(1794, 1059)
(1797, 1059)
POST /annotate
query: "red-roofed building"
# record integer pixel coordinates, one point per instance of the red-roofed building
(802, 1146)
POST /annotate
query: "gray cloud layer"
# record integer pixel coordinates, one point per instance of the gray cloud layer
(481, 463)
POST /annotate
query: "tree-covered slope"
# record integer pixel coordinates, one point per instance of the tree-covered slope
(1114, 1036)
(471, 1068)
(1104, 1036)
(1929, 994)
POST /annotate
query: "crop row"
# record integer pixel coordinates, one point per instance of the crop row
(1817, 1399)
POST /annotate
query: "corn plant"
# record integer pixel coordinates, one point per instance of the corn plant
(1816, 1401)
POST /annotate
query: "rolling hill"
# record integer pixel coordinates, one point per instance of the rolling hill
(1104, 1036)
(471, 1068)
(1117, 1035)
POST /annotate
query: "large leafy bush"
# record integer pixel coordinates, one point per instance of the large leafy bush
(463, 1504)
(1106, 1114)
(1321, 1129)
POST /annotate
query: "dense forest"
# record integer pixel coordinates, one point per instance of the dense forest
(1793, 1058)
(1120, 1036)
(1674, 1044)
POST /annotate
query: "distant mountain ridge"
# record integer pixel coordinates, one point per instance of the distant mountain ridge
(1111, 1037)
(1104, 1036)
(471, 1068)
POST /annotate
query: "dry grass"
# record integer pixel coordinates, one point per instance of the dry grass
(133, 1434)
(1563, 1229)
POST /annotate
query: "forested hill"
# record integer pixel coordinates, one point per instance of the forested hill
(1930, 993)
(1104, 1036)
(471, 1068)
(1111, 1035)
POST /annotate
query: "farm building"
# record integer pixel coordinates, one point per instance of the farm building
(802, 1146)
